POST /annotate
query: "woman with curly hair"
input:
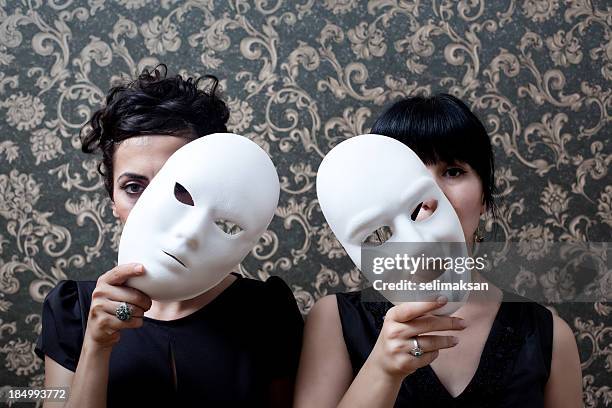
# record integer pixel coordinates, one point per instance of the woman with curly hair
(209, 350)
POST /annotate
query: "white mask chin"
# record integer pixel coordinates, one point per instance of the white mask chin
(188, 249)
(372, 181)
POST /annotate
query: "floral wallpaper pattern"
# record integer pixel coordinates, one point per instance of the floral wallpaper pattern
(299, 77)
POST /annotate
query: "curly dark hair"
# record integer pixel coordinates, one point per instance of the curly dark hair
(152, 104)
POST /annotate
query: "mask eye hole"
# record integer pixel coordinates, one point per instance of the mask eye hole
(414, 214)
(378, 236)
(229, 227)
(182, 195)
(424, 210)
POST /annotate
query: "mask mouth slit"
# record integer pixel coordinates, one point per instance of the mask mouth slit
(175, 258)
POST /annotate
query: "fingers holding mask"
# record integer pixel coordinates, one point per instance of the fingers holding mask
(108, 314)
(429, 343)
(128, 295)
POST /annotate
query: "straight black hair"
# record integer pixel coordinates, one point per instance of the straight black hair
(442, 128)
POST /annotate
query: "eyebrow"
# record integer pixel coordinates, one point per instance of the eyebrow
(133, 176)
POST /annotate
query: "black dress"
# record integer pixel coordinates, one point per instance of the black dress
(513, 368)
(226, 353)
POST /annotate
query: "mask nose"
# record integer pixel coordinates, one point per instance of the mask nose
(405, 230)
(190, 228)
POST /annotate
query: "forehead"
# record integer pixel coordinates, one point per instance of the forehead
(145, 154)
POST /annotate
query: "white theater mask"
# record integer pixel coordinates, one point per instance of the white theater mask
(199, 216)
(369, 182)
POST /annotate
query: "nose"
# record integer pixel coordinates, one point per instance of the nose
(428, 207)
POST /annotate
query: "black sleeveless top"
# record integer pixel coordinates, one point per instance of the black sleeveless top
(513, 368)
(226, 353)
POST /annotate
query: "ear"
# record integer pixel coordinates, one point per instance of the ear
(483, 207)
(114, 208)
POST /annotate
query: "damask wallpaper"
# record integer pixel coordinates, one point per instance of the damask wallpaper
(299, 77)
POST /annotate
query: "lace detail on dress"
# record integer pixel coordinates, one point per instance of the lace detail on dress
(496, 363)
(498, 358)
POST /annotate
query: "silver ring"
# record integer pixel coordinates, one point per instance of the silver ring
(416, 350)
(123, 312)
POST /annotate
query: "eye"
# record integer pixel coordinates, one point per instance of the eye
(181, 194)
(133, 188)
(453, 172)
(378, 236)
(229, 227)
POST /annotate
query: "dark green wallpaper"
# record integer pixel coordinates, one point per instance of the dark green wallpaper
(299, 77)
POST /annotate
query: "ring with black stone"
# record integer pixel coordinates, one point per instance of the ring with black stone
(123, 312)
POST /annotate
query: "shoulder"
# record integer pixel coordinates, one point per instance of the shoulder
(64, 319)
(534, 323)
(66, 307)
(273, 295)
(364, 309)
(561, 328)
(273, 289)
(361, 298)
(324, 316)
(326, 307)
(324, 320)
(564, 385)
(68, 294)
(356, 313)
(530, 314)
(564, 341)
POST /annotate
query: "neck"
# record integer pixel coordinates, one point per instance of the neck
(172, 310)
(479, 298)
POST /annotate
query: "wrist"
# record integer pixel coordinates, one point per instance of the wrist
(380, 372)
(92, 347)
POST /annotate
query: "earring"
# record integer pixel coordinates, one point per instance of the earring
(478, 237)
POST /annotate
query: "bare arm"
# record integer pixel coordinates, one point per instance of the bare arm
(564, 386)
(325, 371)
(56, 376)
(87, 386)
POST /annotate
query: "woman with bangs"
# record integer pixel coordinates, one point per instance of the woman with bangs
(497, 350)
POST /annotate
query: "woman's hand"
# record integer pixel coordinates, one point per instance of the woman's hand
(391, 353)
(103, 325)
